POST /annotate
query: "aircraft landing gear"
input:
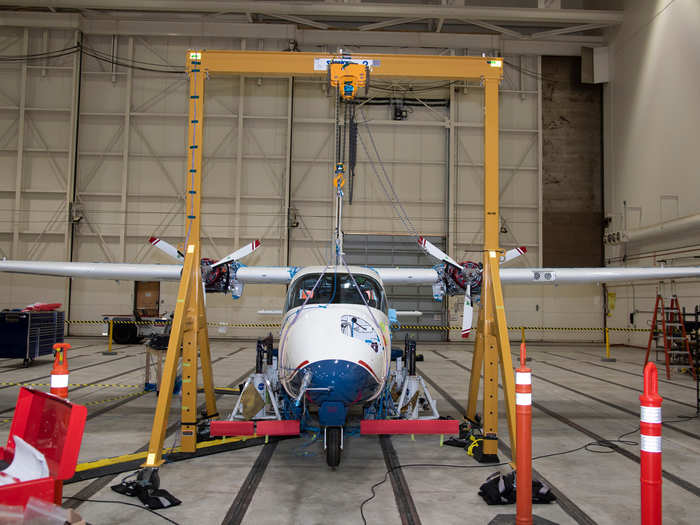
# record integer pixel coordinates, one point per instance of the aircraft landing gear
(333, 443)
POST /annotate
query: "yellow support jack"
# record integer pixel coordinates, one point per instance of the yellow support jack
(188, 337)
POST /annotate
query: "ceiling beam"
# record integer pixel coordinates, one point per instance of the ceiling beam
(440, 23)
(388, 23)
(494, 27)
(298, 20)
(362, 10)
(556, 45)
(566, 30)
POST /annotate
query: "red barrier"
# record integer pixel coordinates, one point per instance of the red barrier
(232, 428)
(409, 426)
(523, 441)
(284, 427)
(650, 445)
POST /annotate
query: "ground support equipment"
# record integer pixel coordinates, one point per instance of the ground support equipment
(668, 325)
(262, 403)
(405, 406)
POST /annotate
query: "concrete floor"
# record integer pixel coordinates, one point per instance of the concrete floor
(577, 398)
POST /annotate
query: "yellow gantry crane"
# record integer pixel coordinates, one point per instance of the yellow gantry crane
(189, 338)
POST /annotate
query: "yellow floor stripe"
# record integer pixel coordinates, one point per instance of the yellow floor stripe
(89, 465)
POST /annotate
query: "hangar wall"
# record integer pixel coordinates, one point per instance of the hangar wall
(263, 138)
(651, 147)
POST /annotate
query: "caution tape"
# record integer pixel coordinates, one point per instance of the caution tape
(530, 328)
(166, 323)
(247, 325)
(428, 328)
(119, 321)
(98, 402)
(113, 385)
(116, 398)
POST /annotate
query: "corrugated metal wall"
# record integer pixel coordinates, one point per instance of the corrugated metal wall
(266, 140)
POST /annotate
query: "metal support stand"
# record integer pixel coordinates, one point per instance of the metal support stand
(607, 358)
(189, 322)
(415, 401)
(189, 327)
(492, 344)
(110, 334)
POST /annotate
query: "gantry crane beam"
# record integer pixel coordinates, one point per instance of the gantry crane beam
(189, 322)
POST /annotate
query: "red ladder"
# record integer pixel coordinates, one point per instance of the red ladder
(672, 325)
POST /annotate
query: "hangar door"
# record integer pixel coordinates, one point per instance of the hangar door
(401, 250)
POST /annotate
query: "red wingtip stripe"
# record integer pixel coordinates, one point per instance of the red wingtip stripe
(421, 241)
(256, 244)
(465, 333)
(153, 240)
(523, 249)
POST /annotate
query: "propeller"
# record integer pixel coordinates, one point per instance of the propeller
(462, 277)
(468, 313)
(238, 254)
(217, 276)
(512, 254)
(436, 252)
(167, 248)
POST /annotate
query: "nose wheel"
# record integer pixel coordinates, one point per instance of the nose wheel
(334, 445)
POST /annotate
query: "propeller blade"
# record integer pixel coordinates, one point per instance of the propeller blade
(436, 252)
(512, 254)
(238, 254)
(468, 313)
(167, 248)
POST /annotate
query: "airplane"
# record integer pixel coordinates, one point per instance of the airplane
(335, 341)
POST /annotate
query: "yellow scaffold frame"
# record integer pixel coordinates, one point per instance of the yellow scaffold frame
(189, 322)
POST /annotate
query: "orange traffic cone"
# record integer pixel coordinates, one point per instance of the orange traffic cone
(59, 372)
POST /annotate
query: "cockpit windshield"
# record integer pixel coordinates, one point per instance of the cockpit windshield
(335, 288)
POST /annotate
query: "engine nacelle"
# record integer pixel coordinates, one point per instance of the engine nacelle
(216, 280)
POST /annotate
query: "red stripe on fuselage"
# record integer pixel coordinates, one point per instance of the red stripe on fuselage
(361, 362)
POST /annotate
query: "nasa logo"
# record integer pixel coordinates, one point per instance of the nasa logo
(261, 386)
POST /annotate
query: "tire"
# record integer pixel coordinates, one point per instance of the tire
(333, 446)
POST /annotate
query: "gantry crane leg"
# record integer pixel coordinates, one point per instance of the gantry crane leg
(189, 328)
(492, 342)
(477, 362)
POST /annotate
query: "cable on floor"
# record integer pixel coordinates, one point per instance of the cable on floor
(123, 503)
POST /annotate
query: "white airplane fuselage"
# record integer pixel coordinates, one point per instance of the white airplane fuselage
(338, 334)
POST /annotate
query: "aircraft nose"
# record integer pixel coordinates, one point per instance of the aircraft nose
(340, 380)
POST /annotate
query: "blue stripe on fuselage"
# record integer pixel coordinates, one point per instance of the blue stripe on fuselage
(349, 382)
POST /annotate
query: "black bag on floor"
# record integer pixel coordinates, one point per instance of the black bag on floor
(500, 490)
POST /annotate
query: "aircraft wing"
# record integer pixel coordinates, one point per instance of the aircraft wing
(266, 274)
(140, 272)
(419, 276)
(111, 271)
(594, 275)
(390, 276)
(426, 276)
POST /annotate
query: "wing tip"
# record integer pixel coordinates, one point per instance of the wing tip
(522, 249)
(153, 240)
